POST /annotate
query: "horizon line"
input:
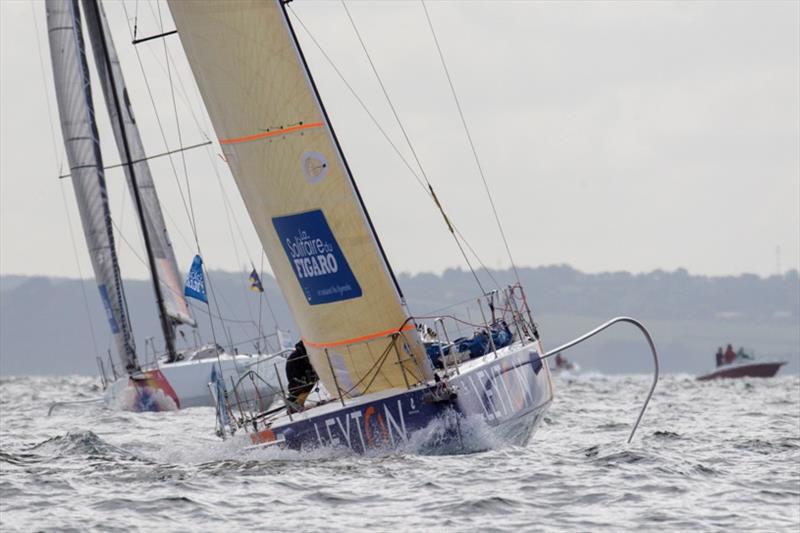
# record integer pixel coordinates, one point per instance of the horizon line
(459, 269)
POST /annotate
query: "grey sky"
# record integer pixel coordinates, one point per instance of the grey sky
(615, 136)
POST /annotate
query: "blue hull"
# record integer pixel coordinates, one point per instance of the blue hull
(495, 401)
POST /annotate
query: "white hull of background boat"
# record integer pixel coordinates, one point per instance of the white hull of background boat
(182, 384)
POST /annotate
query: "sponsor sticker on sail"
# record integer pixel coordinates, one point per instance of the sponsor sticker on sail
(112, 321)
(316, 258)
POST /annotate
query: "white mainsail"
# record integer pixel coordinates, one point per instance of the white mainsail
(164, 255)
(78, 126)
(299, 193)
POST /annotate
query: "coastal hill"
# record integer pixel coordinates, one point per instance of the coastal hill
(45, 329)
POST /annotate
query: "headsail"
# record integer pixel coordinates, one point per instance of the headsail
(298, 190)
(164, 256)
(76, 111)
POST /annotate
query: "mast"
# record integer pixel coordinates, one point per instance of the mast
(82, 145)
(93, 17)
(168, 273)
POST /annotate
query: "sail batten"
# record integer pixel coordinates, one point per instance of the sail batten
(167, 271)
(81, 141)
(298, 190)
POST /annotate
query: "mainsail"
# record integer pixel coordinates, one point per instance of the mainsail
(160, 245)
(298, 190)
(76, 111)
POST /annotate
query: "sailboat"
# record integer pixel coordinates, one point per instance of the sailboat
(176, 379)
(387, 386)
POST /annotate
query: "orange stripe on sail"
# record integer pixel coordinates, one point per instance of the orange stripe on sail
(357, 339)
(264, 135)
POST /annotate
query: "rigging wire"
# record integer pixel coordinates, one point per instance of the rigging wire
(229, 211)
(163, 134)
(135, 19)
(269, 306)
(191, 304)
(233, 241)
(122, 203)
(226, 200)
(386, 137)
(168, 59)
(182, 92)
(58, 156)
(262, 297)
(410, 145)
(80, 271)
(180, 137)
(230, 214)
(260, 300)
(190, 208)
(469, 138)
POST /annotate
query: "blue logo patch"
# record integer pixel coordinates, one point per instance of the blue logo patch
(315, 256)
(109, 312)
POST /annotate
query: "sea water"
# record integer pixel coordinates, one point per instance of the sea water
(713, 456)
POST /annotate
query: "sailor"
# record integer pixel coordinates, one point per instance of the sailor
(730, 355)
(719, 356)
(300, 376)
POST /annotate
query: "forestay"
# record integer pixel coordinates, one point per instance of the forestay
(78, 126)
(163, 254)
(297, 187)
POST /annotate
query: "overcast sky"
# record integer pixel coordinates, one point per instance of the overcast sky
(614, 136)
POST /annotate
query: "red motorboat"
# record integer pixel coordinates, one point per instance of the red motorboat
(744, 369)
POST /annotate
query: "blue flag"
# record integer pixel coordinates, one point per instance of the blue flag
(195, 286)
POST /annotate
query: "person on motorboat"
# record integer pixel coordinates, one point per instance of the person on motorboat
(742, 355)
(719, 356)
(300, 376)
(730, 355)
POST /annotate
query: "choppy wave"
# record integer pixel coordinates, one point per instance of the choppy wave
(708, 456)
